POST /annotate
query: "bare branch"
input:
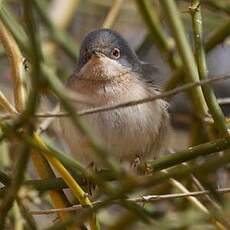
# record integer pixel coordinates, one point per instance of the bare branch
(17, 66)
(141, 199)
(113, 13)
(128, 103)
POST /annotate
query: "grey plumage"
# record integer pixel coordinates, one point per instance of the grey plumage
(138, 131)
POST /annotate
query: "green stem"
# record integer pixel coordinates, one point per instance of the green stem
(189, 154)
(57, 35)
(23, 159)
(14, 27)
(209, 95)
(157, 34)
(157, 178)
(19, 222)
(182, 171)
(31, 224)
(217, 37)
(162, 163)
(220, 5)
(15, 185)
(185, 52)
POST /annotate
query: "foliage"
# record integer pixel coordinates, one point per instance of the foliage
(37, 44)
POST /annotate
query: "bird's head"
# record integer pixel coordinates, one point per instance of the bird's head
(104, 54)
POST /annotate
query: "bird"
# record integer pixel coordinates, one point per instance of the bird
(109, 72)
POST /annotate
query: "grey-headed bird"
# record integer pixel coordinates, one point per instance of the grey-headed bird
(109, 72)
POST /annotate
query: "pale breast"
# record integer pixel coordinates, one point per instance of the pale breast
(125, 132)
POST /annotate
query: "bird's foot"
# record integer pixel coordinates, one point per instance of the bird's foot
(89, 184)
(135, 163)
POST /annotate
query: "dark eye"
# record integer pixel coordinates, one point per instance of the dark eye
(115, 53)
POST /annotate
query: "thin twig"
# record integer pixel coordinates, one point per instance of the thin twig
(16, 63)
(45, 123)
(224, 101)
(199, 185)
(70, 181)
(57, 35)
(157, 34)
(198, 204)
(19, 222)
(216, 38)
(34, 52)
(128, 103)
(185, 52)
(210, 98)
(15, 184)
(220, 5)
(142, 199)
(152, 98)
(6, 105)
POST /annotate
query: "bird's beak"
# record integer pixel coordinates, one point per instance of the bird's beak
(98, 53)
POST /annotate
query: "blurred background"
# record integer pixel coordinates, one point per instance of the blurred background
(80, 17)
(62, 26)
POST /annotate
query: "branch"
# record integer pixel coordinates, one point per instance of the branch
(220, 5)
(72, 183)
(198, 204)
(217, 37)
(58, 35)
(185, 52)
(17, 68)
(60, 14)
(142, 199)
(128, 103)
(157, 34)
(113, 13)
(210, 98)
(6, 105)
(11, 194)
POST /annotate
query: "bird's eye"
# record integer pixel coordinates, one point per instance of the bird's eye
(115, 53)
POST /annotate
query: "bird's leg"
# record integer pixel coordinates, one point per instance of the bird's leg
(135, 163)
(90, 186)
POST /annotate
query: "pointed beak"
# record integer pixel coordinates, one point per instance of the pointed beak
(98, 53)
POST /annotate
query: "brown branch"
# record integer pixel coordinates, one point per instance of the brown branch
(17, 66)
(141, 199)
(113, 13)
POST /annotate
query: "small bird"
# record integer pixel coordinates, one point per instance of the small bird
(109, 72)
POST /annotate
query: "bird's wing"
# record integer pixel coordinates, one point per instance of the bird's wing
(151, 74)
(72, 77)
